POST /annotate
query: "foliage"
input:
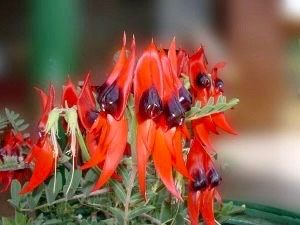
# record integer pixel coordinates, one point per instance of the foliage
(119, 203)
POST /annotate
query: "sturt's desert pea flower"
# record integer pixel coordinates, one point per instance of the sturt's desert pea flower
(160, 111)
(205, 85)
(10, 148)
(107, 137)
(44, 153)
(202, 188)
(162, 125)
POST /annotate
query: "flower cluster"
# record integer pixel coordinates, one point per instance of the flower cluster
(161, 102)
(12, 159)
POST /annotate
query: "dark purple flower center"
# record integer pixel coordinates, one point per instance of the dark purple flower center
(150, 104)
(108, 98)
(174, 112)
(200, 181)
(219, 84)
(185, 98)
(92, 116)
(203, 81)
(214, 178)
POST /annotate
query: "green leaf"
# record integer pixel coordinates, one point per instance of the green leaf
(179, 219)
(73, 182)
(7, 221)
(89, 181)
(20, 219)
(16, 122)
(53, 221)
(50, 195)
(210, 108)
(139, 211)
(37, 194)
(14, 192)
(119, 191)
(165, 212)
(118, 214)
(123, 171)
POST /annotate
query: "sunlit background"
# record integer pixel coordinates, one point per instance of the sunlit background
(42, 41)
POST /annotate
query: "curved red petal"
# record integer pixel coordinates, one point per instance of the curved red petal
(142, 158)
(125, 81)
(182, 62)
(148, 73)
(196, 157)
(193, 207)
(221, 122)
(5, 180)
(214, 71)
(163, 164)
(47, 103)
(86, 103)
(172, 56)
(173, 139)
(202, 133)
(115, 149)
(69, 96)
(198, 64)
(43, 97)
(44, 160)
(95, 143)
(121, 61)
(145, 141)
(208, 207)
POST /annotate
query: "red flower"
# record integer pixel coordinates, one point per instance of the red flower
(202, 189)
(11, 147)
(86, 105)
(42, 155)
(47, 105)
(107, 137)
(218, 89)
(160, 109)
(204, 86)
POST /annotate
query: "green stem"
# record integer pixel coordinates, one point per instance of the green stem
(75, 197)
(133, 167)
(84, 151)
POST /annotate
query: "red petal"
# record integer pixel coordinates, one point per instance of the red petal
(170, 87)
(193, 207)
(119, 64)
(208, 207)
(198, 64)
(196, 157)
(145, 140)
(69, 95)
(125, 81)
(202, 133)
(47, 102)
(43, 96)
(86, 103)
(44, 160)
(172, 56)
(5, 180)
(221, 122)
(163, 164)
(148, 72)
(115, 150)
(95, 143)
(214, 71)
(174, 142)
(182, 63)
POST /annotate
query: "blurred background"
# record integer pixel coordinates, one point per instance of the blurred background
(43, 41)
